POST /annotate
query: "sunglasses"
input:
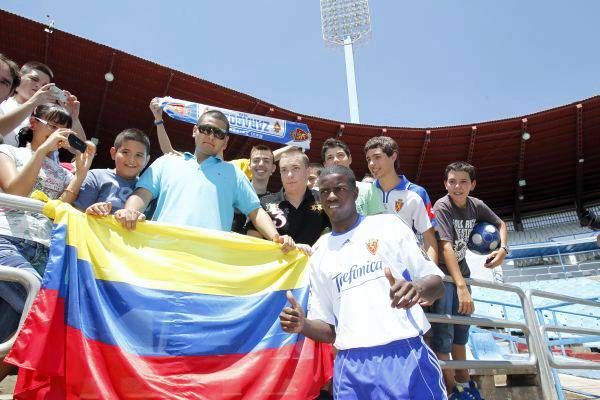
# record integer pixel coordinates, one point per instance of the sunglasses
(50, 125)
(208, 130)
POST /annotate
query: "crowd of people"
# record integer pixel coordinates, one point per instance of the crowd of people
(378, 248)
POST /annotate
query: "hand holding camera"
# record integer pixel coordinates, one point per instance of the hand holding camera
(58, 93)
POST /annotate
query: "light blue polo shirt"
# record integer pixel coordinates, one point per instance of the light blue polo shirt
(201, 195)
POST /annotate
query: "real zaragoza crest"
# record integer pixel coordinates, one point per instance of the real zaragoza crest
(398, 205)
(372, 245)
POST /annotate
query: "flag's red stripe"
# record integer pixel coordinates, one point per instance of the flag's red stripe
(72, 366)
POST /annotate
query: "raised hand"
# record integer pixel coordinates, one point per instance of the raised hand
(83, 161)
(404, 294)
(156, 110)
(292, 318)
(43, 95)
(72, 104)
(56, 140)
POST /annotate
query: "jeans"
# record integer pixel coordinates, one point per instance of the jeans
(25, 255)
(445, 335)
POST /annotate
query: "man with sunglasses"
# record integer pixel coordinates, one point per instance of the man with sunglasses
(199, 189)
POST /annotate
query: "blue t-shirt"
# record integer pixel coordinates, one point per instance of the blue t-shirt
(201, 195)
(104, 185)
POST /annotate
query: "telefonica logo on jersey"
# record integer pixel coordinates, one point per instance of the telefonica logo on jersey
(358, 274)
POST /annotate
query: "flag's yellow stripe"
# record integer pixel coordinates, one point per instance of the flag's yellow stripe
(180, 259)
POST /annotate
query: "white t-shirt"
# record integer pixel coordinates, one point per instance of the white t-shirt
(408, 201)
(350, 291)
(5, 107)
(52, 180)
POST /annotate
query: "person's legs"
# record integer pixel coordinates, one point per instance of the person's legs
(443, 334)
(462, 378)
(460, 339)
(25, 255)
(448, 374)
(459, 352)
(9, 318)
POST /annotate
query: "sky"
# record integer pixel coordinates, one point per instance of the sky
(427, 63)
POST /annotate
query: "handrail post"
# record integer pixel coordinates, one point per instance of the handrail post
(32, 285)
(544, 370)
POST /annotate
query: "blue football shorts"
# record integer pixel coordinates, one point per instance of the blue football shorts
(404, 369)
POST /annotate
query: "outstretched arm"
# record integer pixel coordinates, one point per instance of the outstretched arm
(431, 244)
(263, 223)
(12, 119)
(134, 207)
(163, 139)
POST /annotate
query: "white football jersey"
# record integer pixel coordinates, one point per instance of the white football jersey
(350, 291)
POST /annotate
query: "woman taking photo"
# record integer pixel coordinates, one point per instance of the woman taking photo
(25, 236)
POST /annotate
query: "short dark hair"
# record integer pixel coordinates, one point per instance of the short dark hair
(137, 135)
(293, 152)
(37, 66)
(385, 143)
(14, 72)
(262, 147)
(460, 166)
(332, 143)
(341, 170)
(216, 114)
(51, 112)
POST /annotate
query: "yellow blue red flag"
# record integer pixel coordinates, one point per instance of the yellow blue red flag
(164, 312)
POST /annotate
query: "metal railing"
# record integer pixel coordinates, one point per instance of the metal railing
(540, 356)
(24, 278)
(584, 335)
(544, 328)
(31, 285)
(530, 329)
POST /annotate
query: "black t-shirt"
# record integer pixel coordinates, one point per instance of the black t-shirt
(304, 224)
(239, 219)
(455, 225)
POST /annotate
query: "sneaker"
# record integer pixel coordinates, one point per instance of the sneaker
(474, 390)
(465, 393)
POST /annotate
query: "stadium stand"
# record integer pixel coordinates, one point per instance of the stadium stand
(554, 245)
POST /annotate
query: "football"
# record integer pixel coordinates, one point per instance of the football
(484, 239)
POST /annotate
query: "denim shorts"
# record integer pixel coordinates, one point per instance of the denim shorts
(445, 335)
(24, 255)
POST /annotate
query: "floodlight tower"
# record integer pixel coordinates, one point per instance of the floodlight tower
(345, 22)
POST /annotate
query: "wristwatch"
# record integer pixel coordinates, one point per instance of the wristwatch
(505, 248)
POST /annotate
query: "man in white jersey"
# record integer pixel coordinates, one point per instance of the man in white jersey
(355, 271)
(394, 194)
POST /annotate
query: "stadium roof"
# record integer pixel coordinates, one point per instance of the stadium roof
(559, 164)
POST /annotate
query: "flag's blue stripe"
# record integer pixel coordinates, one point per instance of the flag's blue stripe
(151, 322)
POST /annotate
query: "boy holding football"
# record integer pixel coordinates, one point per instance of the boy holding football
(457, 213)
